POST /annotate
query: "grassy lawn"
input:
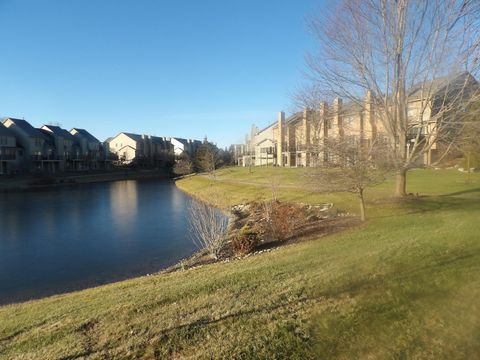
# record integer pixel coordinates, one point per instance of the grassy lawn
(404, 285)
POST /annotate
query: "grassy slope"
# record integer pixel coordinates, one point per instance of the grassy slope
(404, 285)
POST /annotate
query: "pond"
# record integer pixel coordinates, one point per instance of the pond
(68, 238)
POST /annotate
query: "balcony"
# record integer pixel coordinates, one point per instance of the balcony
(8, 153)
(44, 158)
(6, 157)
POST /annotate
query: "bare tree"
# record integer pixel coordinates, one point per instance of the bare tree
(405, 52)
(353, 167)
(208, 227)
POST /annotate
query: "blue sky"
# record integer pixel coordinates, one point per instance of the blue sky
(161, 67)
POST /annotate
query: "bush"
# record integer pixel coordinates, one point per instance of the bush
(245, 242)
(280, 219)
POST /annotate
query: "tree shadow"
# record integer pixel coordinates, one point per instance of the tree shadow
(469, 191)
(434, 203)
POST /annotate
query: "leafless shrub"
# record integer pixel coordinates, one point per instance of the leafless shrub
(208, 227)
(280, 220)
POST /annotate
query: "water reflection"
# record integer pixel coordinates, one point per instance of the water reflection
(124, 204)
(74, 237)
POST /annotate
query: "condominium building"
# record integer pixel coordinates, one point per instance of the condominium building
(295, 141)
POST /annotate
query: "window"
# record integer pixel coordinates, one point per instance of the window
(412, 112)
(349, 120)
(266, 150)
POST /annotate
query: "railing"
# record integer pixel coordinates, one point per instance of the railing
(8, 157)
(44, 157)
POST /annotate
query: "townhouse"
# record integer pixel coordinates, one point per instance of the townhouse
(66, 148)
(184, 146)
(10, 154)
(148, 150)
(48, 149)
(296, 140)
(91, 152)
(51, 149)
(38, 148)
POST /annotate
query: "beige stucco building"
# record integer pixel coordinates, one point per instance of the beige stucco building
(292, 141)
(150, 150)
(296, 140)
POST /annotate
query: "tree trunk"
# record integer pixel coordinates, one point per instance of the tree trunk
(401, 183)
(362, 205)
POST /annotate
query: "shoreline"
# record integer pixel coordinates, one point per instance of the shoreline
(31, 182)
(198, 258)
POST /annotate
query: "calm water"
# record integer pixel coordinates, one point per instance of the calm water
(69, 238)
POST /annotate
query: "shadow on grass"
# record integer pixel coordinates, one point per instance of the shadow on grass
(468, 191)
(398, 272)
(431, 204)
(402, 278)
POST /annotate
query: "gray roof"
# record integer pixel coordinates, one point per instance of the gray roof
(158, 140)
(442, 84)
(47, 136)
(265, 140)
(26, 127)
(183, 141)
(137, 137)
(352, 108)
(294, 117)
(86, 135)
(266, 127)
(4, 131)
(58, 131)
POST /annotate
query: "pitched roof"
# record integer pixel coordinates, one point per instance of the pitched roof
(154, 139)
(352, 108)
(58, 131)
(294, 117)
(4, 131)
(181, 140)
(271, 140)
(267, 127)
(441, 84)
(135, 137)
(158, 140)
(85, 134)
(26, 127)
(47, 136)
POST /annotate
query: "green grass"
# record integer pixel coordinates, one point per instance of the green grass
(404, 285)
